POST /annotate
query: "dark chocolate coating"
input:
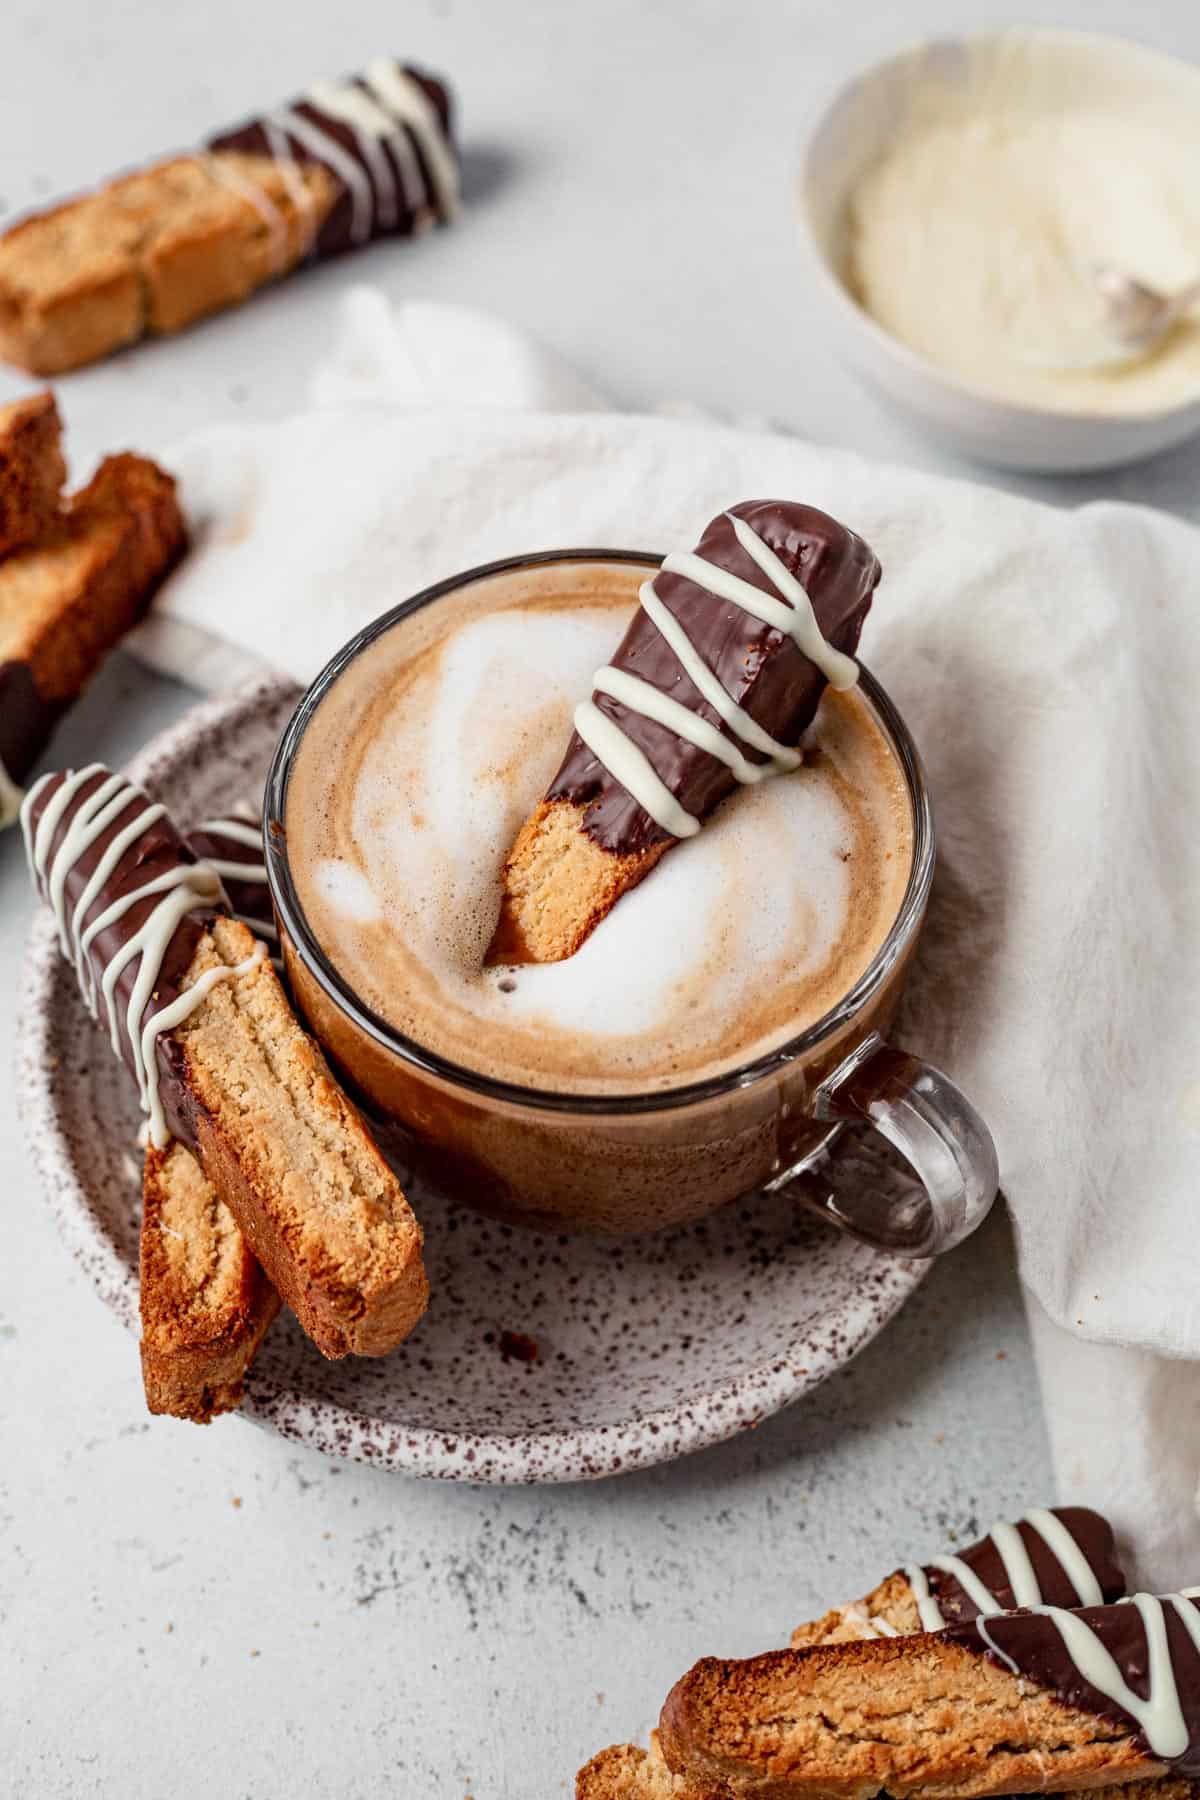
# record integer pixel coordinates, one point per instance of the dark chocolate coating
(761, 668)
(250, 899)
(1091, 1532)
(26, 720)
(1034, 1644)
(155, 851)
(335, 234)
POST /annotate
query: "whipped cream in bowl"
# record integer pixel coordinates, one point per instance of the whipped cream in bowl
(955, 203)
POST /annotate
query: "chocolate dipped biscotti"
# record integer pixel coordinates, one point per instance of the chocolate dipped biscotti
(714, 684)
(193, 1007)
(1062, 1556)
(340, 166)
(1056, 1556)
(1029, 1701)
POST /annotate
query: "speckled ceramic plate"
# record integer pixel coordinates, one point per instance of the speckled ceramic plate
(645, 1348)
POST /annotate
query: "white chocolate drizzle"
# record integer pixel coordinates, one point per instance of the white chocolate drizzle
(237, 831)
(289, 169)
(349, 170)
(793, 615)
(179, 890)
(1067, 1552)
(1159, 1717)
(371, 127)
(410, 105)
(1019, 1571)
(254, 874)
(634, 770)
(390, 118)
(706, 683)
(642, 697)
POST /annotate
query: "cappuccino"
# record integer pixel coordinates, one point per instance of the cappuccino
(435, 742)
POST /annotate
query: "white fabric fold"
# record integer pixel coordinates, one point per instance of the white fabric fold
(1047, 661)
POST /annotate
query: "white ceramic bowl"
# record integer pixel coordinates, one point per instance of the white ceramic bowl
(848, 136)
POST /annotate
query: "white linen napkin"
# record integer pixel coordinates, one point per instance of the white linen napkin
(1048, 662)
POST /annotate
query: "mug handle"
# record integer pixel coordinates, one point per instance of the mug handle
(949, 1177)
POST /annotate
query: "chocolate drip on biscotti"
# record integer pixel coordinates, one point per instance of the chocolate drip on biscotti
(385, 138)
(1137, 1663)
(26, 720)
(782, 551)
(1063, 1556)
(131, 903)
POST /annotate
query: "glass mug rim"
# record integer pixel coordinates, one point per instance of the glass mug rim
(338, 990)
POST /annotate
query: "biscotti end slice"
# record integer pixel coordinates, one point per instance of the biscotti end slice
(67, 599)
(316, 1202)
(558, 885)
(205, 1302)
(626, 1772)
(32, 469)
(920, 1715)
(70, 291)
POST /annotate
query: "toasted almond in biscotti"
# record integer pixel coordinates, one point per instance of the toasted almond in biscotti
(316, 1202)
(889, 1610)
(714, 684)
(930, 1715)
(32, 469)
(205, 1302)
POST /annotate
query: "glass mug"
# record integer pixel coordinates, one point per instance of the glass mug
(822, 1116)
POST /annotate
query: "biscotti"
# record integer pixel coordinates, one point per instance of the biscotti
(1062, 1556)
(714, 684)
(1053, 1700)
(68, 598)
(316, 1202)
(195, 1009)
(32, 470)
(205, 1302)
(1056, 1556)
(155, 251)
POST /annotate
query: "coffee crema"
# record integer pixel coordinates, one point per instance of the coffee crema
(434, 744)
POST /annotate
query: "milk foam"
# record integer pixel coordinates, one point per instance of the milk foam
(414, 779)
